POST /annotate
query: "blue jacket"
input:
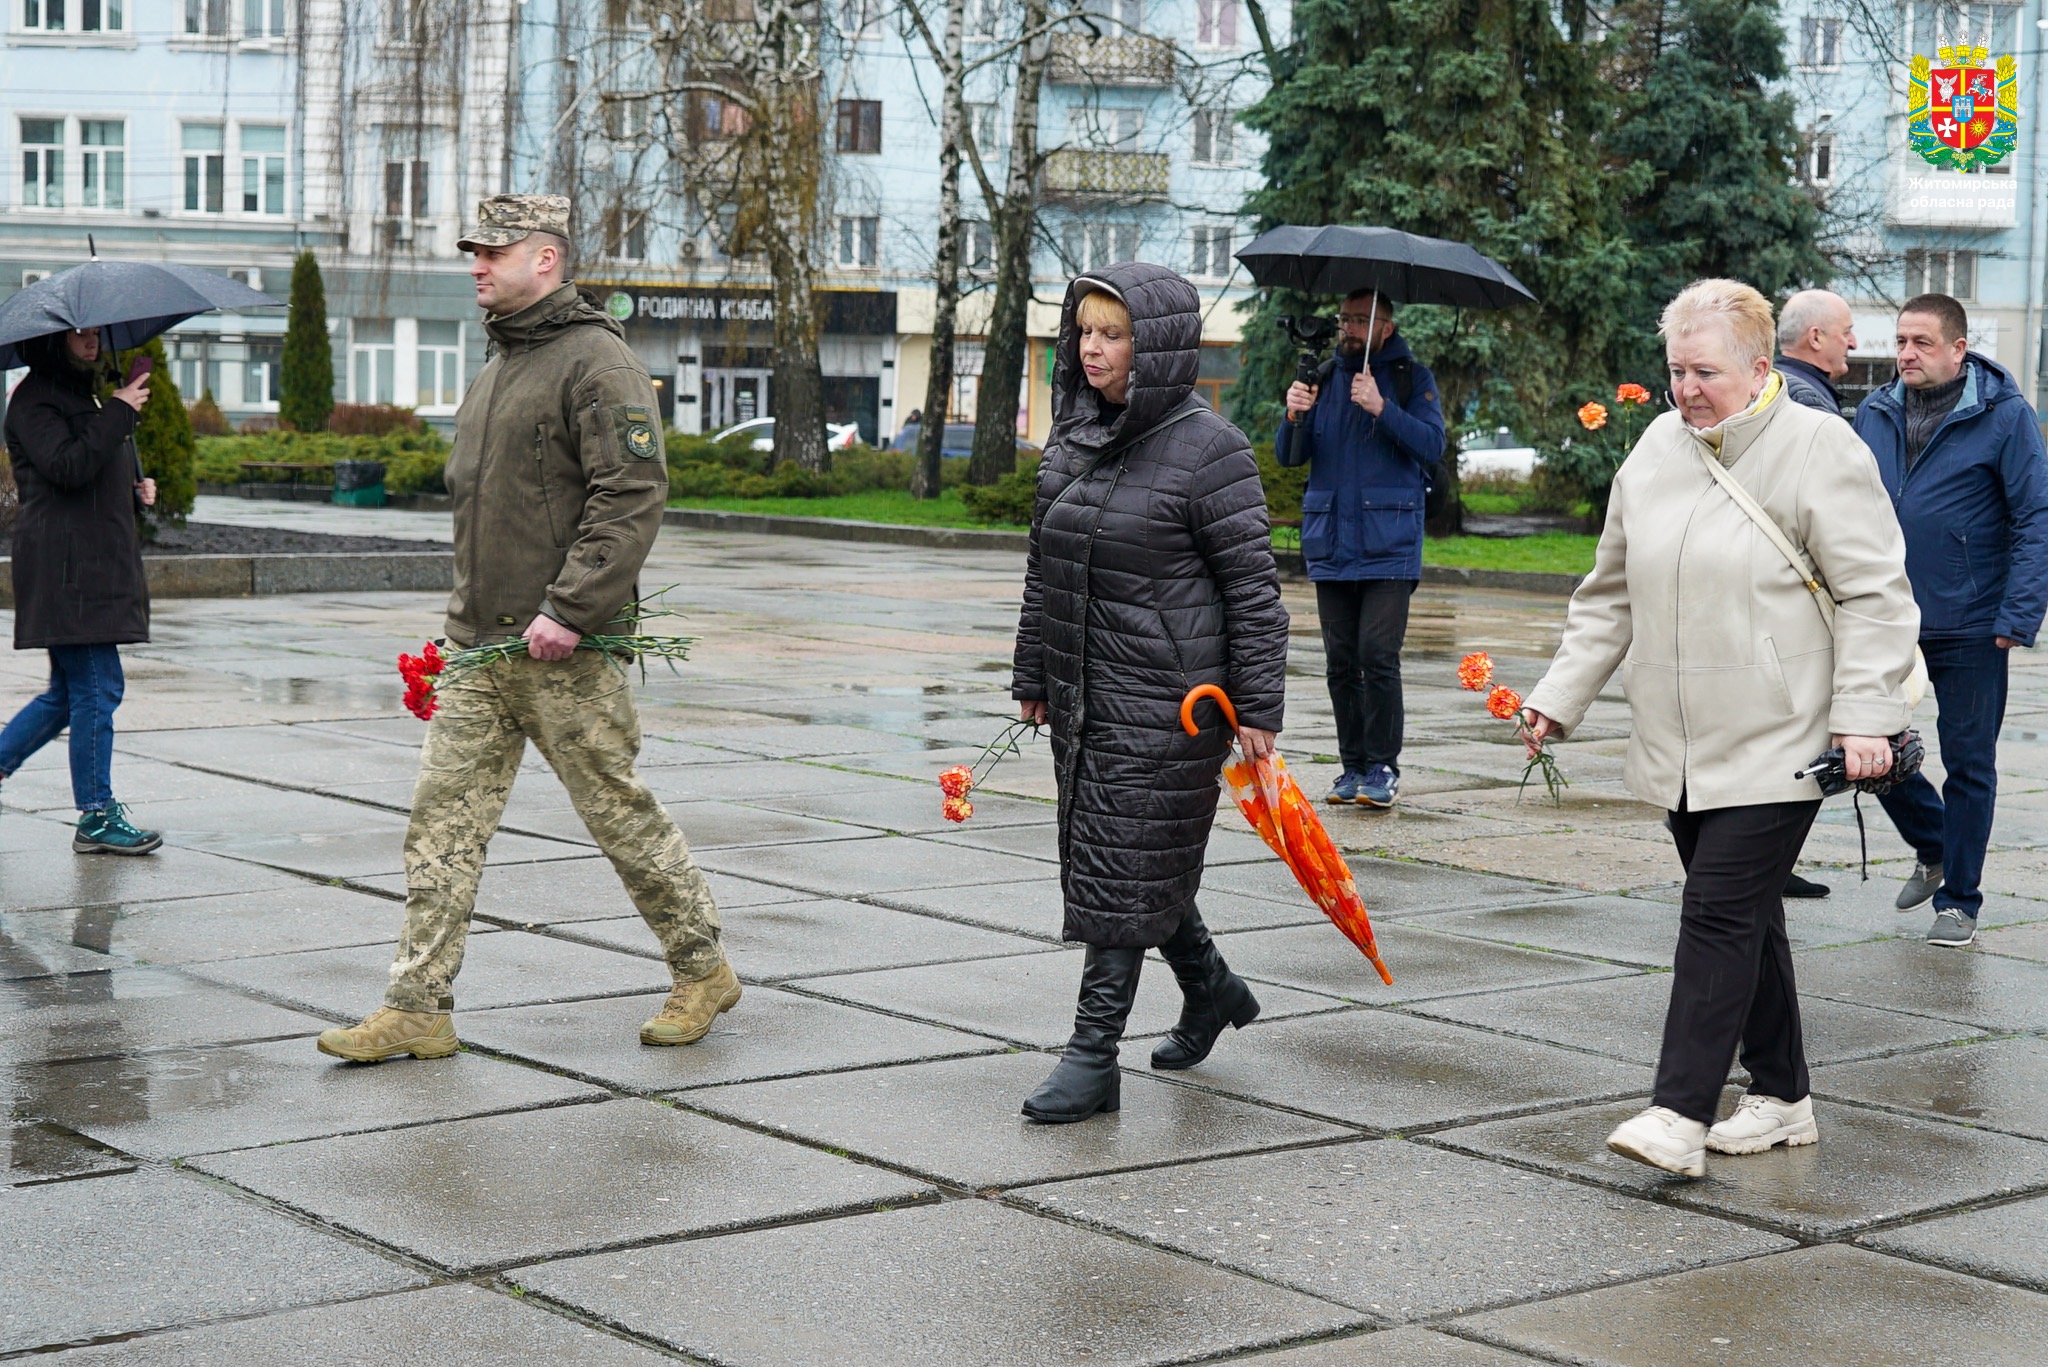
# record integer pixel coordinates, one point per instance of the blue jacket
(1974, 508)
(1361, 516)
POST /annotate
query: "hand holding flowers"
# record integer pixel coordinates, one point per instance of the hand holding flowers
(1475, 673)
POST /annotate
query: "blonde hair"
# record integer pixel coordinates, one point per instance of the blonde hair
(1100, 309)
(1746, 313)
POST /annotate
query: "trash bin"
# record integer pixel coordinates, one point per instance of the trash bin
(359, 483)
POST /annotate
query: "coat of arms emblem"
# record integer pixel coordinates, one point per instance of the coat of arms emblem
(1962, 110)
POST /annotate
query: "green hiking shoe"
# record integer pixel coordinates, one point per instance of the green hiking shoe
(109, 831)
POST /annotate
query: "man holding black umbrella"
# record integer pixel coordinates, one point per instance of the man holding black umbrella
(1372, 435)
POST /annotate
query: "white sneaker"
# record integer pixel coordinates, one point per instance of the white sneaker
(1764, 1122)
(1664, 1139)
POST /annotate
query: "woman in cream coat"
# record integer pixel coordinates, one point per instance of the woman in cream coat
(1735, 681)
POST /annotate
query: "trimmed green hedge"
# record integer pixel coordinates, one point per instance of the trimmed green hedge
(413, 461)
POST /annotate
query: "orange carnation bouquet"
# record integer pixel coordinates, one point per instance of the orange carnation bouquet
(1475, 674)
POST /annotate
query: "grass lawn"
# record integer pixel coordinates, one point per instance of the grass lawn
(877, 505)
(1547, 552)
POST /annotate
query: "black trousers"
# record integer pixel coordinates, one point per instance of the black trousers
(1364, 624)
(1732, 980)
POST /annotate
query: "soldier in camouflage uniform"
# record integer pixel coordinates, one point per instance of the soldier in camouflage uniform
(558, 479)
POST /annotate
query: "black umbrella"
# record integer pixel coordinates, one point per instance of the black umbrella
(1407, 268)
(129, 301)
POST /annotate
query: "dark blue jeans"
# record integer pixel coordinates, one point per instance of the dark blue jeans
(1951, 828)
(85, 687)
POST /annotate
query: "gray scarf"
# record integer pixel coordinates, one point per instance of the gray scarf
(1925, 409)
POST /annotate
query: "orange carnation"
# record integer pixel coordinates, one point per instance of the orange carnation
(955, 781)
(957, 809)
(1593, 417)
(1631, 393)
(1475, 671)
(1504, 702)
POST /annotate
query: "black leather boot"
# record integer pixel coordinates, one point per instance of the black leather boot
(1085, 1080)
(1213, 996)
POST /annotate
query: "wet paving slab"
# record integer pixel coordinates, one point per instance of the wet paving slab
(499, 968)
(1028, 999)
(132, 1010)
(1406, 1346)
(1394, 887)
(1869, 1168)
(1398, 1230)
(2004, 1242)
(1829, 1304)
(1424, 964)
(785, 940)
(1624, 1018)
(38, 1152)
(770, 1034)
(2020, 942)
(189, 1101)
(116, 1255)
(1392, 1073)
(467, 1326)
(1995, 1085)
(499, 1190)
(586, 889)
(52, 876)
(910, 808)
(1038, 907)
(194, 929)
(739, 780)
(1985, 990)
(1637, 931)
(882, 864)
(962, 1284)
(958, 1122)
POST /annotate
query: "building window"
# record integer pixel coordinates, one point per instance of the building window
(75, 16)
(1820, 159)
(206, 18)
(1933, 25)
(1212, 243)
(263, 18)
(440, 364)
(103, 163)
(42, 163)
(260, 385)
(1091, 246)
(404, 20)
(1108, 128)
(625, 117)
(1942, 272)
(713, 116)
(984, 20)
(1123, 16)
(859, 243)
(860, 125)
(372, 361)
(1215, 137)
(860, 20)
(625, 234)
(977, 247)
(206, 168)
(985, 124)
(405, 189)
(1216, 23)
(1820, 44)
(262, 169)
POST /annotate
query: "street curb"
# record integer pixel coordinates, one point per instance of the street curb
(324, 493)
(241, 576)
(833, 529)
(1523, 581)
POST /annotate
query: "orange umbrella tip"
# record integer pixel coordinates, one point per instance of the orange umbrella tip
(1385, 976)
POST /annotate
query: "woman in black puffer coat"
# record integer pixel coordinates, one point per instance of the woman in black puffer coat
(1151, 572)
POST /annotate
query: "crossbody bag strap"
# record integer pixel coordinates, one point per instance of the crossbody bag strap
(1768, 525)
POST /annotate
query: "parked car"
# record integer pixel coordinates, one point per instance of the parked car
(959, 440)
(839, 436)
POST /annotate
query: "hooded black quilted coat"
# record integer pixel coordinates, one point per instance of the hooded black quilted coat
(1151, 571)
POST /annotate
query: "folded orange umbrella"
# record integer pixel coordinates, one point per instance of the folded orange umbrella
(1286, 820)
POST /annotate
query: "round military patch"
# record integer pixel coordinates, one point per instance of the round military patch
(640, 441)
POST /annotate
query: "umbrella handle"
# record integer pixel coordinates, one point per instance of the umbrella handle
(1195, 695)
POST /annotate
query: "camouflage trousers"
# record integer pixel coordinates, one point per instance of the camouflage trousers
(579, 714)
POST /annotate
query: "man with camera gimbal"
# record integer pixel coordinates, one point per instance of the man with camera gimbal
(1368, 425)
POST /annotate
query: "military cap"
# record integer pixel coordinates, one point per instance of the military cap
(502, 220)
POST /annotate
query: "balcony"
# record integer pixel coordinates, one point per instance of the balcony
(1111, 60)
(1091, 176)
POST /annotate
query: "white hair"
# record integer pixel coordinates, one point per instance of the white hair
(1803, 312)
(1727, 303)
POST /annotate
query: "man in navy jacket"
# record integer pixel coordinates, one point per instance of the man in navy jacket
(1373, 439)
(1960, 449)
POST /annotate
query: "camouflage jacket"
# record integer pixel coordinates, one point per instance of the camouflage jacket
(558, 475)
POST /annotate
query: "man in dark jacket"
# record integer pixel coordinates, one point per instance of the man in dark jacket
(1960, 449)
(1816, 333)
(1373, 439)
(558, 481)
(79, 591)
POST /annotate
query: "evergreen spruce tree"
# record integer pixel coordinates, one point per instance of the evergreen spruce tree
(163, 438)
(307, 383)
(1475, 120)
(1726, 199)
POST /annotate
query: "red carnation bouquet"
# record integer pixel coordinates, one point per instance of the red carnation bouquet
(428, 672)
(1475, 673)
(957, 782)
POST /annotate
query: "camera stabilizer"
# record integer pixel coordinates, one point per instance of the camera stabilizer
(1312, 337)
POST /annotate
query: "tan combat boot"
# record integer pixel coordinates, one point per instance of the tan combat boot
(388, 1033)
(686, 1016)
